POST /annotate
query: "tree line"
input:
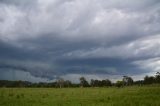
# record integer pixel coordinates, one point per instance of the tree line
(61, 83)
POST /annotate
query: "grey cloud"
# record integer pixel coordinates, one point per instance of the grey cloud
(19, 75)
(131, 5)
(149, 64)
(62, 37)
(37, 69)
(81, 21)
(21, 3)
(141, 48)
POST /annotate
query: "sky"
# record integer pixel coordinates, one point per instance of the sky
(42, 40)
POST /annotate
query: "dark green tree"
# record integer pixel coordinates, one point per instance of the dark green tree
(119, 83)
(149, 80)
(92, 83)
(83, 82)
(127, 81)
(67, 83)
(157, 77)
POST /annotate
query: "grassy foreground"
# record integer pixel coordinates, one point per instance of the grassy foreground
(127, 96)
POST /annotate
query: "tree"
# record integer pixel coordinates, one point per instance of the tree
(119, 83)
(105, 83)
(108, 82)
(157, 77)
(83, 82)
(100, 83)
(97, 83)
(139, 82)
(127, 80)
(92, 83)
(67, 83)
(60, 82)
(149, 80)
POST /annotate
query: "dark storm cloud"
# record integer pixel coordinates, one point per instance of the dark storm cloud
(108, 66)
(50, 38)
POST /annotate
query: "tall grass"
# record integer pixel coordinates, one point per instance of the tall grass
(127, 96)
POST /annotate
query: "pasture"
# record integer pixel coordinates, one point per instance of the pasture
(112, 96)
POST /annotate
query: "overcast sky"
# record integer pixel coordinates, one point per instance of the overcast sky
(41, 40)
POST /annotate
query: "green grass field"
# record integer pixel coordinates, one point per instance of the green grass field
(127, 96)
